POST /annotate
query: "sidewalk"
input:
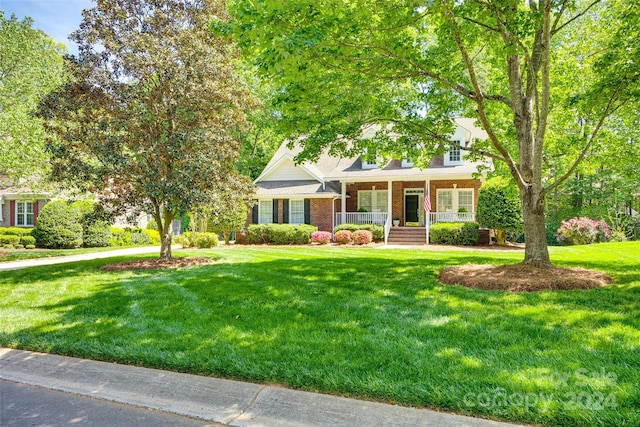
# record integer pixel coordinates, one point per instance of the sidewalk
(16, 265)
(228, 402)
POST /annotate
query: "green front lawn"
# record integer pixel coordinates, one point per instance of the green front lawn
(362, 322)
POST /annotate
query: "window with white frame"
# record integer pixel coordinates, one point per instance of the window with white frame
(24, 214)
(296, 212)
(465, 200)
(265, 212)
(373, 200)
(454, 154)
(455, 200)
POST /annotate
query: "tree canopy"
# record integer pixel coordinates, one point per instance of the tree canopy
(31, 64)
(151, 118)
(541, 77)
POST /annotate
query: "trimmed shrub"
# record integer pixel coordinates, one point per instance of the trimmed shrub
(499, 207)
(9, 240)
(206, 240)
(15, 231)
(152, 225)
(97, 235)
(343, 237)
(321, 237)
(182, 240)
(582, 231)
(454, 233)
(30, 246)
(376, 230)
(280, 234)
(362, 237)
(59, 226)
(154, 236)
(28, 241)
(119, 237)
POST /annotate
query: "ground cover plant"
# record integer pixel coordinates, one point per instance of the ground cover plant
(364, 322)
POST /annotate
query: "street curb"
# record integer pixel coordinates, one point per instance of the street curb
(234, 403)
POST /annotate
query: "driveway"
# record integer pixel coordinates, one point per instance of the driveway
(16, 265)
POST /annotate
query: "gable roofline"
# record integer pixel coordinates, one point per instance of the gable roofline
(281, 160)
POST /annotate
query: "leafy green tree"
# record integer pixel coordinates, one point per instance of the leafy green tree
(535, 74)
(31, 65)
(151, 118)
(228, 213)
(499, 207)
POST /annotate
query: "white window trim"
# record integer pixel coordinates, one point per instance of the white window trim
(260, 212)
(377, 192)
(454, 198)
(291, 211)
(447, 158)
(24, 215)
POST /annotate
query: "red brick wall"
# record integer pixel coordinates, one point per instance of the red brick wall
(321, 214)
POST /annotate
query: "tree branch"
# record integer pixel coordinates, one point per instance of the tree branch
(480, 101)
(555, 29)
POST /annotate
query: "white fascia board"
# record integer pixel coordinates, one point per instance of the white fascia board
(295, 196)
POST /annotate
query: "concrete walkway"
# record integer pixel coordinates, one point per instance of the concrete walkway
(16, 265)
(231, 403)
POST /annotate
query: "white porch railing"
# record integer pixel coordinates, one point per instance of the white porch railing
(451, 217)
(362, 218)
(387, 228)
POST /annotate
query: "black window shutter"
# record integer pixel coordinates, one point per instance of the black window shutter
(285, 211)
(254, 215)
(275, 211)
(307, 211)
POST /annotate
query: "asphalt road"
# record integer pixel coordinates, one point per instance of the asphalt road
(24, 405)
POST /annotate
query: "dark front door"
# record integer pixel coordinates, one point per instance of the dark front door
(410, 208)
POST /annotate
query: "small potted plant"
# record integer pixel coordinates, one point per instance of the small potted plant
(396, 221)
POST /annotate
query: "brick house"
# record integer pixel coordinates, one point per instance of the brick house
(19, 206)
(333, 191)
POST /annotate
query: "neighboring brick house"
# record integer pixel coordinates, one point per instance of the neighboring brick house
(19, 206)
(334, 190)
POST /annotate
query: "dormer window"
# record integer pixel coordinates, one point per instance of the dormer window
(454, 155)
(369, 165)
(407, 163)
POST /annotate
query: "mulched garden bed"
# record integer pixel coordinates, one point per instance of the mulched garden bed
(157, 263)
(523, 278)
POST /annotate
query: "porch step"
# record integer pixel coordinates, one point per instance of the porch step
(407, 236)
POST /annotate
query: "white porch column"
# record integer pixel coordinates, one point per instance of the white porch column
(427, 215)
(344, 202)
(390, 199)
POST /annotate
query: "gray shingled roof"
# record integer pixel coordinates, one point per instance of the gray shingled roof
(336, 168)
(296, 188)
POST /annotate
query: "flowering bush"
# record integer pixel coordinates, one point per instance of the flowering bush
(321, 237)
(343, 237)
(362, 237)
(582, 231)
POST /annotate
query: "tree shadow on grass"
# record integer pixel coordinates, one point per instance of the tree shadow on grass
(357, 323)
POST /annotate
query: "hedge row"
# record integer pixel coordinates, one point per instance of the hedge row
(454, 233)
(280, 234)
(376, 230)
(17, 238)
(197, 240)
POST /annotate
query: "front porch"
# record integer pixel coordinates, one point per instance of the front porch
(413, 233)
(403, 203)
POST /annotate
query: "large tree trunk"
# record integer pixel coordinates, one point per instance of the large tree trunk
(536, 252)
(165, 246)
(166, 232)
